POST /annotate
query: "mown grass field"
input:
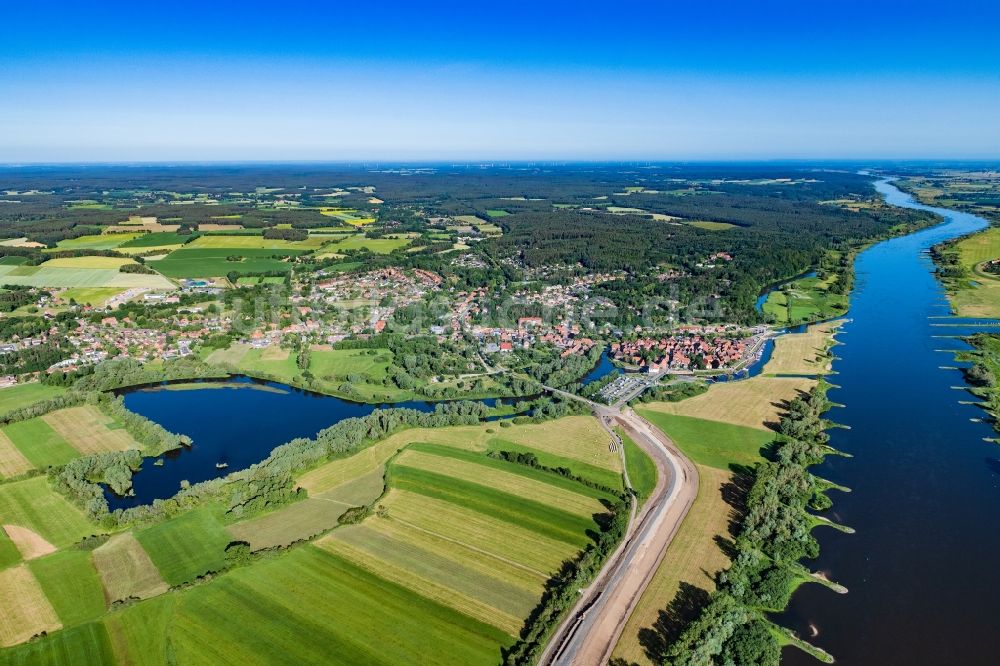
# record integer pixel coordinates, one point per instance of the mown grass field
(126, 571)
(756, 402)
(85, 644)
(12, 461)
(477, 534)
(261, 614)
(577, 442)
(156, 239)
(24, 610)
(287, 525)
(187, 546)
(803, 353)
(9, 554)
(253, 242)
(89, 430)
(191, 262)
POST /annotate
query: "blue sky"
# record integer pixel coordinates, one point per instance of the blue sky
(294, 80)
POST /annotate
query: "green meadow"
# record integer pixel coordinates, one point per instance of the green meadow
(214, 262)
(22, 395)
(33, 504)
(186, 546)
(39, 443)
(641, 469)
(712, 443)
(71, 584)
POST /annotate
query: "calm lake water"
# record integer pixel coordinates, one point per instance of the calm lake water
(238, 426)
(921, 568)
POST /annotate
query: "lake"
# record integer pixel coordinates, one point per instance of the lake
(921, 568)
(237, 425)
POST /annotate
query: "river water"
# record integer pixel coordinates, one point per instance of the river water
(921, 568)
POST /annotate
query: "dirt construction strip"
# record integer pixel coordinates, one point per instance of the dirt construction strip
(590, 632)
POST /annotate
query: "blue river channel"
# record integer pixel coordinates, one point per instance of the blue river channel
(921, 568)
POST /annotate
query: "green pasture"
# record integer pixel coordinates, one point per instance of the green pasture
(712, 443)
(186, 546)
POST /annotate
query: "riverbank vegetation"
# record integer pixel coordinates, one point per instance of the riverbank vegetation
(983, 372)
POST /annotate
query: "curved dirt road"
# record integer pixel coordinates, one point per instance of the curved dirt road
(590, 632)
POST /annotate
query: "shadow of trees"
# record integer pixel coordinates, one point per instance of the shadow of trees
(671, 621)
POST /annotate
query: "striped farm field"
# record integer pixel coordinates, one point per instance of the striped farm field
(440, 579)
(89, 430)
(126, 571)
(358, 492)
(507, 572)
(464, 526)
(33, 504)
(71, 584)
(187, 546)
(547, 521)
(260, 614)
(520, 481)
(24, 610)
(95, 242)
(577, 442)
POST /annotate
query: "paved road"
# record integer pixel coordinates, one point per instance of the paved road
(591, 630)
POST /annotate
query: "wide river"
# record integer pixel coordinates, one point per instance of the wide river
(922, 568)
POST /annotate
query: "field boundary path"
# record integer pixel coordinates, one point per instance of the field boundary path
(589, 633)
